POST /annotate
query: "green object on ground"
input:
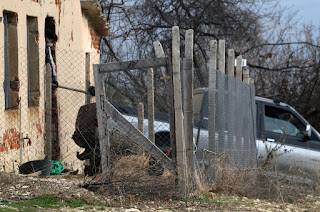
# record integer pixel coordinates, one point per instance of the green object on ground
(56, 167)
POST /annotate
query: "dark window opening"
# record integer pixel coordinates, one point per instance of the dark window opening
(11, 81)
(33, 61)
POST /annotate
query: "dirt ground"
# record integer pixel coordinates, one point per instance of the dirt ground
(131, 188)
(144, 196)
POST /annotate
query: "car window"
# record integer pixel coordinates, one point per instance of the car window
(278, 120)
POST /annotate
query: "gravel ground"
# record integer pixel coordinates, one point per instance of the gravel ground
(21, 188)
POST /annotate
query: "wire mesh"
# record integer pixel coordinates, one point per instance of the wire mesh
(236, 126)
(75, 140)
(23, 124)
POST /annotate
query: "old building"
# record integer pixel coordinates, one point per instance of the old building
(26, 26)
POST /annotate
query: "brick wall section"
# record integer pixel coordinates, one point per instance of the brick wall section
(94, 38)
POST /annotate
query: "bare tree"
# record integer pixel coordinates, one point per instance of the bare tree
(282, 53)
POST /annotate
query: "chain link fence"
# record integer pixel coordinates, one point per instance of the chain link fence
(24, 137)
(75, 145)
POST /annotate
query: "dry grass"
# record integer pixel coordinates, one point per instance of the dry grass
(262, 182)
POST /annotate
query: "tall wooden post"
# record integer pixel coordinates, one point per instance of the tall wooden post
(48, 109)
(246, 75)
(221, 56)
(160, 53)
(230, 63)
(212, 106)
(239, 68)
(151, 105)
(181, 159)
(141, 117)
(187, 103)
(102, 123)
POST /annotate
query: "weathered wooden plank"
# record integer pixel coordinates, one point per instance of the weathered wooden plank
(102, 123)
(239, 68)
(246, 75)
(138, 137)
(160, 53)
(230, 63)
(134, 64)
(212, 105)
(181, 159)
(221, 56)
(187, 102)
(151, 106)
(141, 117)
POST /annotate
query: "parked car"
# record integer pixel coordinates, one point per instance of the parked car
(280, 131)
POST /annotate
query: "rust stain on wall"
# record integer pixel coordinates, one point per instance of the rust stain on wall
(94, 38)
(11, 140)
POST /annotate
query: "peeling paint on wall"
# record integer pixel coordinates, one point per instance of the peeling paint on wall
(11, 140)
(94, 38)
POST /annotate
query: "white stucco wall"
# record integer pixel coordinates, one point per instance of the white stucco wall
(74, 41)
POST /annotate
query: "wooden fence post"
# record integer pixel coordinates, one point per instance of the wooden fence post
(239, 68)
(188, 104)
(141, 117)
(246, 75)
(251, 82)
(48, 109)
(160, 53)
(151, 105)
(87, 71)
(221, 56)
(212, 106)
(181, 159)
(230, 63)
(102, 123)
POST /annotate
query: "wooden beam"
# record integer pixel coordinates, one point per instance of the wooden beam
(212, 106)
(134, 64)
(151, 106)
(239, 68)
(102, 123)
(187, 103)
(138, 137)
(181, 159)
(222, 56)
(141, 117)
(160, 53)
(246, 75)
(230, 63)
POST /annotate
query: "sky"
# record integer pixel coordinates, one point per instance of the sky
(309, 9)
